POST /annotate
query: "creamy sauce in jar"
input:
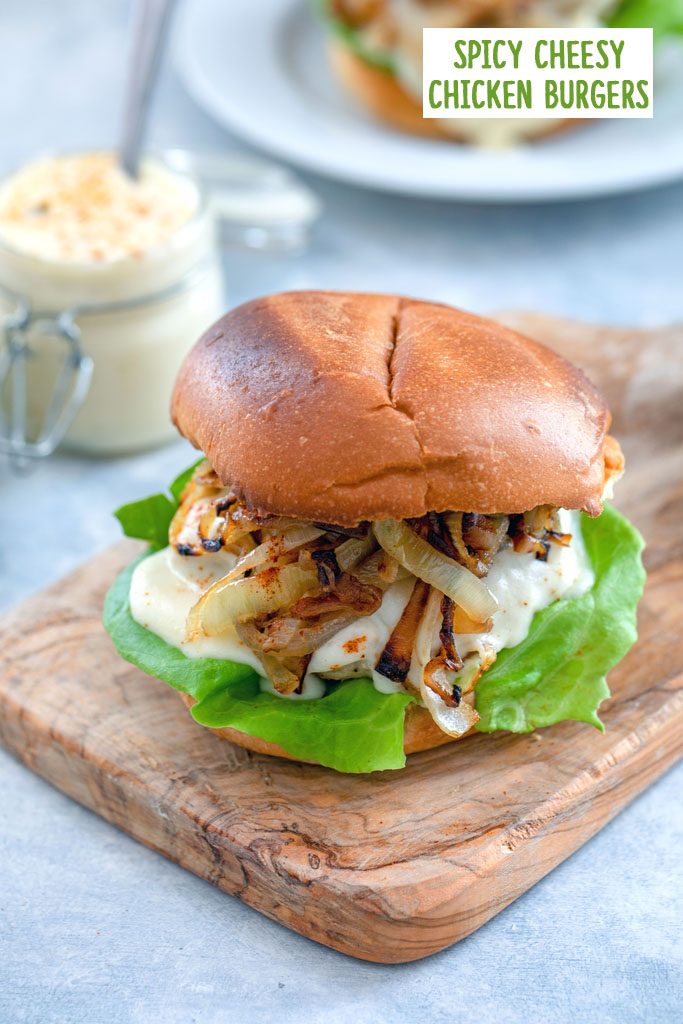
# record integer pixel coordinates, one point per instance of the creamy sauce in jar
(85, 209)
(135, 260)
(166, 585)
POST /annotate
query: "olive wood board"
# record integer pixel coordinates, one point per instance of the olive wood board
(394, 866)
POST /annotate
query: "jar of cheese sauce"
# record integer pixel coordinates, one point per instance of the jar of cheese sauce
(132, 264)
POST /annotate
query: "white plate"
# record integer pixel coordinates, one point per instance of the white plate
(259, 67)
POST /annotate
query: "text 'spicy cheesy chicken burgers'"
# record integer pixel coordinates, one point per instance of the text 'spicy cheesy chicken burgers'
(375, 49)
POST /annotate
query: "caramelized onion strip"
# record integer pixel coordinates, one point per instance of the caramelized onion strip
(226, 602)
(423, 561)
(285, 673)
(394, 661)
(269, 550)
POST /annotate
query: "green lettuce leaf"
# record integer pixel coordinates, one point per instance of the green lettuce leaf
(558, 671)
(178, 485)
(148, 519)
(353, 728)
(353, 38)
(665, 17)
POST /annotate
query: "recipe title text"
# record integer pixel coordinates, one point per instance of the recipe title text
(537, 73)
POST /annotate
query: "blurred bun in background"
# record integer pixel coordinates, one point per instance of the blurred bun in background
(376, 53)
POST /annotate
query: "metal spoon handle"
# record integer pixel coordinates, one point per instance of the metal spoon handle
(152, 19)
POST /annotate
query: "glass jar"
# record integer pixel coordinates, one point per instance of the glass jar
(115, 331)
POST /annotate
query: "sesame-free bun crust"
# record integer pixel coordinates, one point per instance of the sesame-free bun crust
(420, 733)
(342, 407)
(383, 96)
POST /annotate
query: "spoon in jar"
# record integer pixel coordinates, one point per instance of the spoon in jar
(152, 21)
(259, 205)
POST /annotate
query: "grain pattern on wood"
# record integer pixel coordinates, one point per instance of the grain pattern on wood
(395, 866)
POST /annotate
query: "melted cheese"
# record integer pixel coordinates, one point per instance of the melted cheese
(166, 585)
(521, 584)
(162, 591)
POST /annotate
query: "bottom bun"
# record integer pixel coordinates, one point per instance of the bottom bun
(384, 97)
(420, 733)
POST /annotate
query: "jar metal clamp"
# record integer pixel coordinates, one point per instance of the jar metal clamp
(71, 383)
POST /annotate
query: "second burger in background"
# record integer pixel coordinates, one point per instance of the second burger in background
(376, 52)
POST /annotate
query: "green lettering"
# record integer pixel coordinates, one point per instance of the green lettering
(433, 85)
(498, 61)
(556, 51)
(537, 53)
(618, 49)
(641, 86)
(450, 94)
(524, 93)
(613, 99)
(597, 97)
(603, 59)
(492, 98)
(459, 49)
(584, 54)
(574, 57)
(516, 50)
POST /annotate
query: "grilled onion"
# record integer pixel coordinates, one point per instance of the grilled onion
(228, 601)
(462, 623)
(183, 534)
(428, 564)
(379, 569)
(394, 661)
(347, 593)
(354, 551)
(299, 637)
(454, 721)
(485, 534)
(441, 681)
(285, 673)
(424, 641)
(465, 557)
(270, 549)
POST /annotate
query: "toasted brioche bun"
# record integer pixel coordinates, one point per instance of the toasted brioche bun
(342, 407)
(420, 733)
(380, 93)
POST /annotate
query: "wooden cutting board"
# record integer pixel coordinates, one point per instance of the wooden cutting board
(395, 866)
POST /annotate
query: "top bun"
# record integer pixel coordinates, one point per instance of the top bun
(342, 407)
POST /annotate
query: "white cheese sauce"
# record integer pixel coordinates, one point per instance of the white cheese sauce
(164, 588)
(166, 585)
(523, 585)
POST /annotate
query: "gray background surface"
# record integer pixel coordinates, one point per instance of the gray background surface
(94, 927)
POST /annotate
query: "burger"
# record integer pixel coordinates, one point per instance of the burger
(396, 534)
(375, 49)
